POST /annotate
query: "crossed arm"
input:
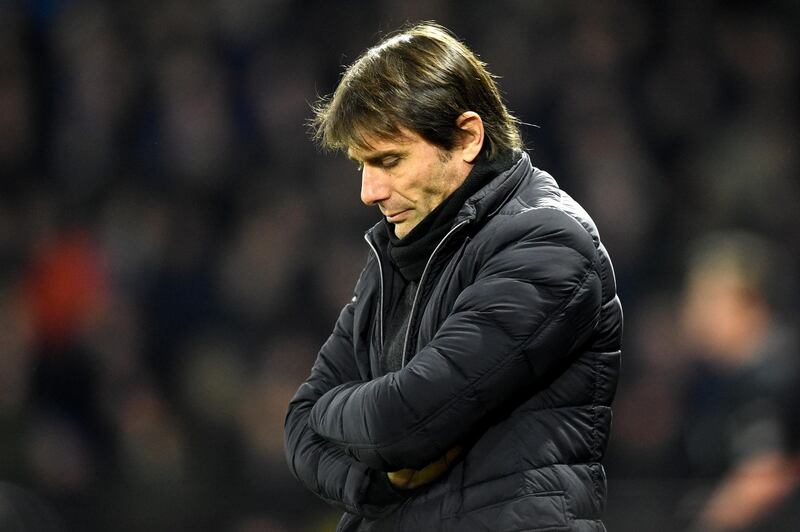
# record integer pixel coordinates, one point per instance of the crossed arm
(324, 467)
(505, 331)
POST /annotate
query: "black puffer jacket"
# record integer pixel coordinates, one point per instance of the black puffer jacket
(517, 355)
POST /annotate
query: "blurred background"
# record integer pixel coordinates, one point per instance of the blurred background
(174, 250)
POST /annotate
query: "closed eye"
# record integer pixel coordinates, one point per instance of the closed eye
(390, 162)
(385, 163)
(384, 160)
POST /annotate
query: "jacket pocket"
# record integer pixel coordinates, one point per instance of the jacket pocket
(510, 504)
(532, 512)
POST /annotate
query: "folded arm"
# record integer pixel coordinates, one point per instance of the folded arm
(321, 466)
(527, 310)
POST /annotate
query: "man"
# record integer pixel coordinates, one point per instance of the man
(467, 385)
(740, 420)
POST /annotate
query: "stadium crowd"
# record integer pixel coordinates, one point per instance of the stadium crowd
(173, 249)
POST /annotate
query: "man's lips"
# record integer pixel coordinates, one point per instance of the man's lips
(397, 216)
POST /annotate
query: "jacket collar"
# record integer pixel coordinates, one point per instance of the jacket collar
(488, 200)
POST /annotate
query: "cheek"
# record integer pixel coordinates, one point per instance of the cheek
(427, 184)
(439, 182)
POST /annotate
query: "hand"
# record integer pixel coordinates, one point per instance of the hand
(409, 479)
(749, 492)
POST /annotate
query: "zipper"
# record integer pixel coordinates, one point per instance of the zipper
(421, 284)
(380, 299)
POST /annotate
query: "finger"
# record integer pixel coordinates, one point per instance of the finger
(401, 478)
(452, 454)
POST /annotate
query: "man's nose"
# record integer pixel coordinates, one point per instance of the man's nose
(374, 188)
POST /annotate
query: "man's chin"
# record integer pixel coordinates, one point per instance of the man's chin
(401, 230)
(398, 233)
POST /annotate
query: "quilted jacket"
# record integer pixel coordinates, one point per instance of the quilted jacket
(514, 354)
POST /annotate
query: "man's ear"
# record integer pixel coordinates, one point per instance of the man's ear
(470, 132)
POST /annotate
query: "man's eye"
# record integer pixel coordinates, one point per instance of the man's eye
(389, 162)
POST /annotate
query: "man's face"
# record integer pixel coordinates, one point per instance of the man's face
(407, 177)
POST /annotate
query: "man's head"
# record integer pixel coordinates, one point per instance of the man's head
(421, 79)
(730, 295)
(415, 111)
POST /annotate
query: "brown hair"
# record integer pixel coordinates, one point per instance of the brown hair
(422, 79)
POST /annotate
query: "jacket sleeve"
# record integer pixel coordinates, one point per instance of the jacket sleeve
(321, 466)
(530, 305)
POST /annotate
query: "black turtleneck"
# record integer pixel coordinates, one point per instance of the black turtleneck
(410, 254)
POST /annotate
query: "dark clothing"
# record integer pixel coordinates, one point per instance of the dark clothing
(396, 323)
(409, 257)
(514, 355)
(734, 413)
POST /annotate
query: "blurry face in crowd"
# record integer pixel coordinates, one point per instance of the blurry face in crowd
(722, 316)
(408, 177)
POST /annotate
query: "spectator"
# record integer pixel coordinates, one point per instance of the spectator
(740, 416)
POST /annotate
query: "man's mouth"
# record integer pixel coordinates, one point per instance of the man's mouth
(397, 216)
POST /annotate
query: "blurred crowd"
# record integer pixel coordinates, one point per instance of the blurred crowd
(174, 249)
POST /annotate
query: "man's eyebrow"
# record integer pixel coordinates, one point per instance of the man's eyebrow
(375, 157)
